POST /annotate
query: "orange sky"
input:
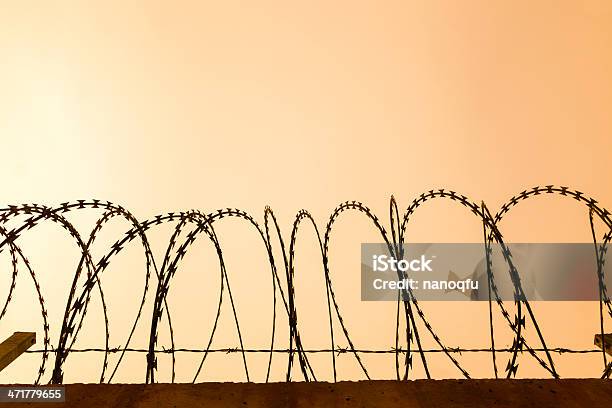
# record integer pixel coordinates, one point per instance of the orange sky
(177, 105)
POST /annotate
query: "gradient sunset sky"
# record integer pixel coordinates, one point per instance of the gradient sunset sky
(166, 106)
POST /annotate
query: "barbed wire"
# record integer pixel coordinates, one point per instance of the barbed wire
(191, 225)
(337, 350)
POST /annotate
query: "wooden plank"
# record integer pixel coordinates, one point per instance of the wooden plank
(608, 341)
(14, 346)
(497, 393)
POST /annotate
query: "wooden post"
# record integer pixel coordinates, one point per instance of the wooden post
(608, 342)
(14, 346)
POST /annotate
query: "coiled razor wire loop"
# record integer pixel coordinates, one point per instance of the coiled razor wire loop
(190, 225)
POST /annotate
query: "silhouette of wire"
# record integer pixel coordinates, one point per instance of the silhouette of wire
(191, 225)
